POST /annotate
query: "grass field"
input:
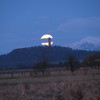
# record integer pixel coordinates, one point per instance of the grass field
(58, 85)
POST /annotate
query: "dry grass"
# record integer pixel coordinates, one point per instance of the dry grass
(78, 90)
(52, 72)
(71, 87)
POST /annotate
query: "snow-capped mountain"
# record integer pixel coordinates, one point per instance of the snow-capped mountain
(88, 43)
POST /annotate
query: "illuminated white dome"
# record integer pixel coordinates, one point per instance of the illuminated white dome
(46, 43)
(46, 36)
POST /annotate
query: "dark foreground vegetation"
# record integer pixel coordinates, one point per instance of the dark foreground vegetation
(70, 90)
(43, 66)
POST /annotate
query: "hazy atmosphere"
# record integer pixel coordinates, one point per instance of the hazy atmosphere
(70, 22)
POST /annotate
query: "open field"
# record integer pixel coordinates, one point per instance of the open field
(50, 79)
(11, 74)
(58, 85)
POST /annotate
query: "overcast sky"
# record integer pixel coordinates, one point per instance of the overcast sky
(23, 22)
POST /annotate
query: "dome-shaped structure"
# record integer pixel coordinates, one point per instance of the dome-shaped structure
(46, 36)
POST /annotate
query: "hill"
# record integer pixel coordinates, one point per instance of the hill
(29, 56)
(93, 59)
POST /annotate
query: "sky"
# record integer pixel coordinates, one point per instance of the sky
(23, 22)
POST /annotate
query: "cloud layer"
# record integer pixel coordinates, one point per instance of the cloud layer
(80, 25)
(88, 43)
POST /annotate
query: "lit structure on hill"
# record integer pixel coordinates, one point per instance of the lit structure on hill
(49, 37)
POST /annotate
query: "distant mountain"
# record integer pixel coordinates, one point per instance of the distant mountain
(88, 43)
(29, 56)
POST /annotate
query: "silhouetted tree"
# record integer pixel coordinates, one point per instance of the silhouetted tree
(44, 65)
(73, 63)
(41, 66)
(93, 60)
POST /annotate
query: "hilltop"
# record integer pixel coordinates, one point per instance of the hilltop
(29, 56)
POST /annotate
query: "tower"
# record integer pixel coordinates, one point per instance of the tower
(49, 41)
(48, 37)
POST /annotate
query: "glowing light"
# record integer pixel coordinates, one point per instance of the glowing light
(46, 36)
(46, 43)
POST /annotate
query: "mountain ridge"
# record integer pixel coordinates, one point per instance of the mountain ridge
(30, 56)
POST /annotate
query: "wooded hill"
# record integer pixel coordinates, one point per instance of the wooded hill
(30, 56)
